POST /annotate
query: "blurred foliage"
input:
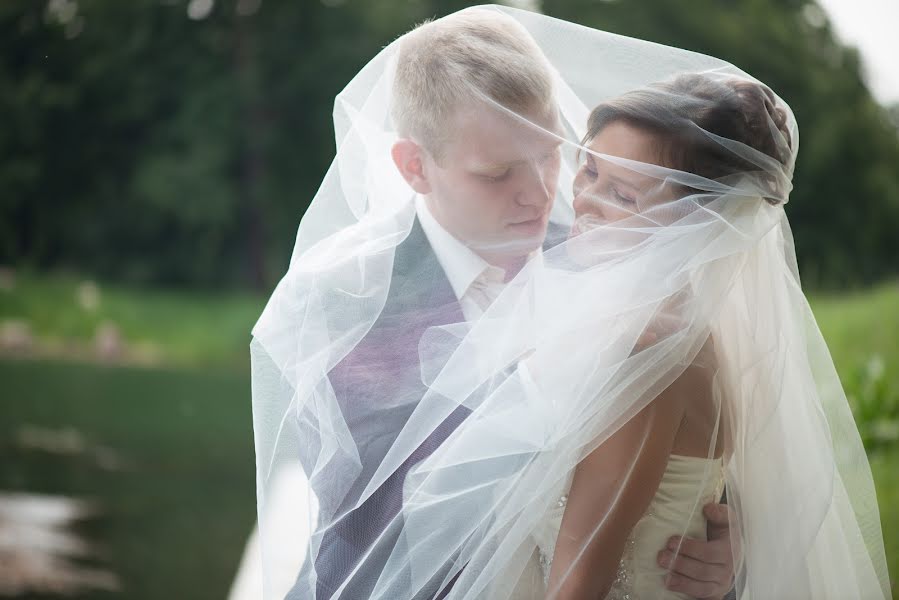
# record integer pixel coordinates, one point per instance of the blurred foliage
(860, 330)
(875, 403)
(144, 145)
(893, 113)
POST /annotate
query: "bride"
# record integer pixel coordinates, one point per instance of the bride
(601, 540)
(553, 423)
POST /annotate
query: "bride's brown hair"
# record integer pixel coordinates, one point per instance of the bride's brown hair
(688, 111)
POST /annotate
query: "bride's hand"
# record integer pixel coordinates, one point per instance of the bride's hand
(702, 569)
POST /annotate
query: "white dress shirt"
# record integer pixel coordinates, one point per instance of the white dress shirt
(475, 282)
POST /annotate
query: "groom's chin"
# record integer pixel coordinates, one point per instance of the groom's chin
(525, 245)
(511, 244)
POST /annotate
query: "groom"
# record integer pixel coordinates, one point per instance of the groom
(485, 186)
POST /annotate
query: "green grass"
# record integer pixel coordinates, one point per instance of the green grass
(885, 467)
(862, 332)
(186, 328)
(859, 326)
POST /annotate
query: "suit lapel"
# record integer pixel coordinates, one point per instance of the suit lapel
(419, 286)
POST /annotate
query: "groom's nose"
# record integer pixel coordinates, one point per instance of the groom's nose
(536, 189)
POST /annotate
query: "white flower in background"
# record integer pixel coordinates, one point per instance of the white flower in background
(88, 295)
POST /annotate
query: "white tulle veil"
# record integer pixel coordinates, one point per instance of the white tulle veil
(429, 443)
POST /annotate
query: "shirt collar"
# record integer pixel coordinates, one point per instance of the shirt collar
(460, 263)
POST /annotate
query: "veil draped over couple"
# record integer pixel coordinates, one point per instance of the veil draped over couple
(543, 336)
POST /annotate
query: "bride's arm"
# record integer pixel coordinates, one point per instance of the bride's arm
(611, 489)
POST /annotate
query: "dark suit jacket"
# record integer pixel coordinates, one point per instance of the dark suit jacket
(384, 362)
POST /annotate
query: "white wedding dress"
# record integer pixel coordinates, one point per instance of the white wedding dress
(639, 575)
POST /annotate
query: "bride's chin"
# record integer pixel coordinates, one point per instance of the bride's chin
(580, 227)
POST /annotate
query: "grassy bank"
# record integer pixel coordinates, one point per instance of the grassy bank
(65, 316)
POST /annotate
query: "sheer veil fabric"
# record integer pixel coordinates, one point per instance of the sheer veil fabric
(647, 303)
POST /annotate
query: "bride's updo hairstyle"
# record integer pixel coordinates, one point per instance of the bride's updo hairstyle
(705, 123)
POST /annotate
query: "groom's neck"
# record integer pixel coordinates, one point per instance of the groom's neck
(511, 265)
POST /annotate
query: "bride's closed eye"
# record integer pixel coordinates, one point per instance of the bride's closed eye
(623, 199)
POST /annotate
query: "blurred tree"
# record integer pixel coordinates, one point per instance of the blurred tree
(180, 141)
(113, 174)
(893, 113)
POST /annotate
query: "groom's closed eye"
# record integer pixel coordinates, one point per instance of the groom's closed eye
(496, 176)
(498, 173)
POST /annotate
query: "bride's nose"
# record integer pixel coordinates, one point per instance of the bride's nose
(580, 189)
(586, 201)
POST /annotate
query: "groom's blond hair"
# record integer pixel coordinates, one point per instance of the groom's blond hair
(475, 54)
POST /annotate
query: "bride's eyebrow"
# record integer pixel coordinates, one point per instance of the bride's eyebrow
(628, 184)
(616, 179)
(624, 183)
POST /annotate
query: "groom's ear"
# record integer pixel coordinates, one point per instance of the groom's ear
(409, 159)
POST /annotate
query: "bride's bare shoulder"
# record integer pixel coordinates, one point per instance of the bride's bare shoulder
(700, 401)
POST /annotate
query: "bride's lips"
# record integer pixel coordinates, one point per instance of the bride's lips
(578, 228)
(583, 225)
